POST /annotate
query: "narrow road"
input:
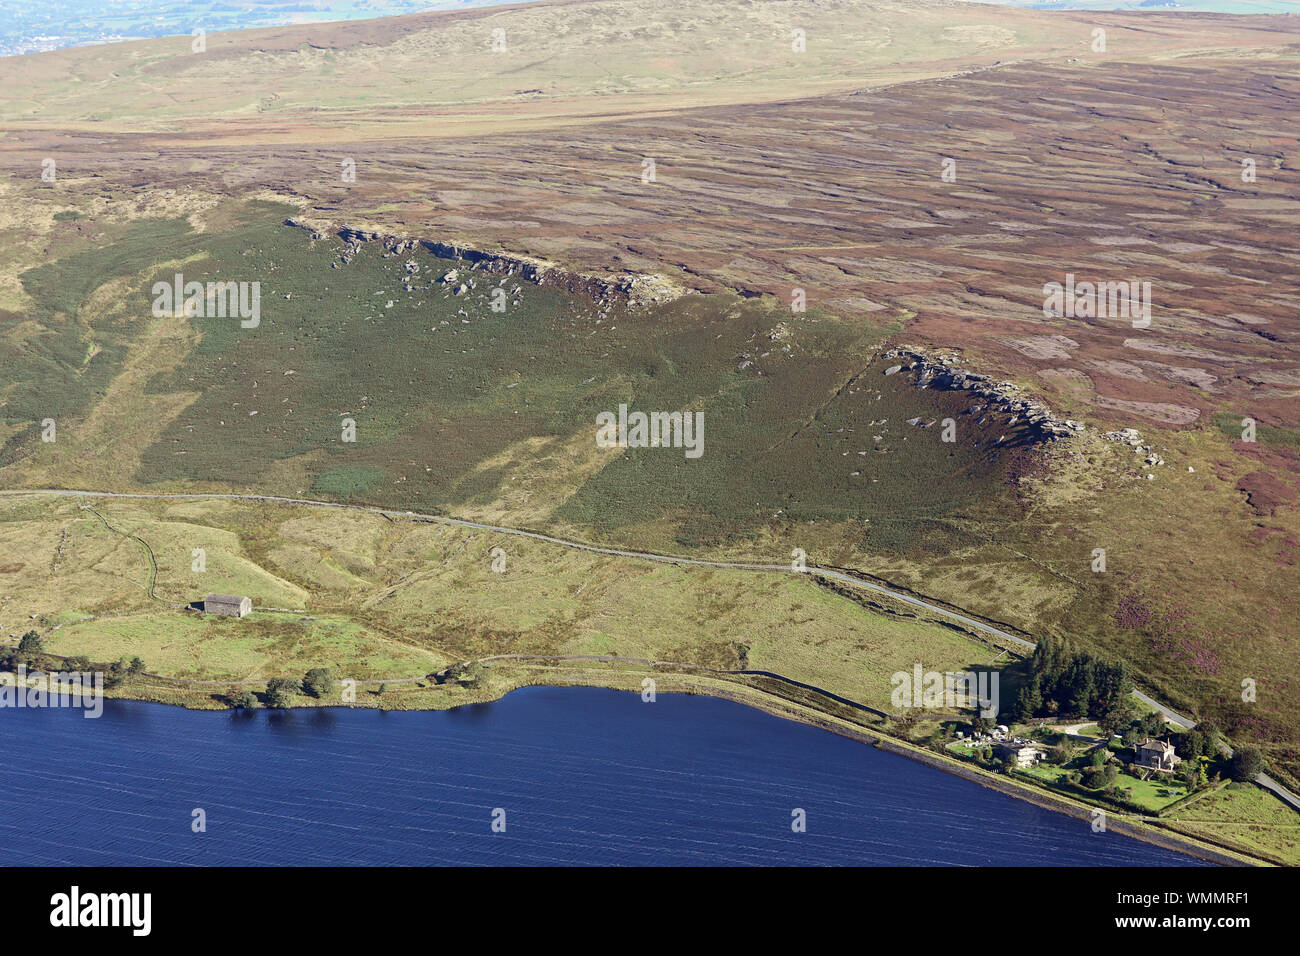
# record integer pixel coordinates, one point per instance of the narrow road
(1264, 780)
(831, 574)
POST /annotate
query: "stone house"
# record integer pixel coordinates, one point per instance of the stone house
(227, 605)
(1022, 752)
(1157, 754)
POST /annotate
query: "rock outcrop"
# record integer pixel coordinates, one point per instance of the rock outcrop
(633, 290)
(932, 370)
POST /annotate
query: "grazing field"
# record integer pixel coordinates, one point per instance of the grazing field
(193, 646)
(1243, 818)
(375, 598)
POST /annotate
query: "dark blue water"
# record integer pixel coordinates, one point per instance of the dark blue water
(584, 776)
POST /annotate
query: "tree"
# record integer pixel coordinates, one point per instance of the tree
(467, 674)
(78, 662)
(1153, 724)
(318, 682)
(1075, 681)
(135, 667)
(1247, 763)
(1080, 687)
(1114, 688)
(1118, 718)
(31, 643)
(1029, 701)
(242, 699)
(118, 672)
(285, 685)
(1190, 745)
(1212, 734)
(281, 690)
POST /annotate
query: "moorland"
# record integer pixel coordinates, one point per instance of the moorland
(777, 173)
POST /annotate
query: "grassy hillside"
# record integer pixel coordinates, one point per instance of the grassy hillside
(1246, 819)
(562, 61)
(463, 408)
(381, 599)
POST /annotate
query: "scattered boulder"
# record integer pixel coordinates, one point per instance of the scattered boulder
(936, 371)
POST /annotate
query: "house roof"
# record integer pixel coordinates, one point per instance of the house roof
(226, 599)
(1008, 745)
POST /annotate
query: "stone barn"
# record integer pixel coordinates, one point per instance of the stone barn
(227, 605)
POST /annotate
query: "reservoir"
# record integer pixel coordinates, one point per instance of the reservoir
(579, 775)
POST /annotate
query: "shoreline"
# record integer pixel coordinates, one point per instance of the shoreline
(720, 688)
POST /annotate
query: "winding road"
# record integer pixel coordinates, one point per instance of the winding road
(829, 573)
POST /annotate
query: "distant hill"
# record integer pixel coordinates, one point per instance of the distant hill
(414, 75)
(1198, 6)
(32, 28)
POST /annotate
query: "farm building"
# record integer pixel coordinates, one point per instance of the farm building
(228, 605)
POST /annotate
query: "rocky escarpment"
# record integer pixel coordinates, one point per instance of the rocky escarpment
(944, 371)
(632, 290)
